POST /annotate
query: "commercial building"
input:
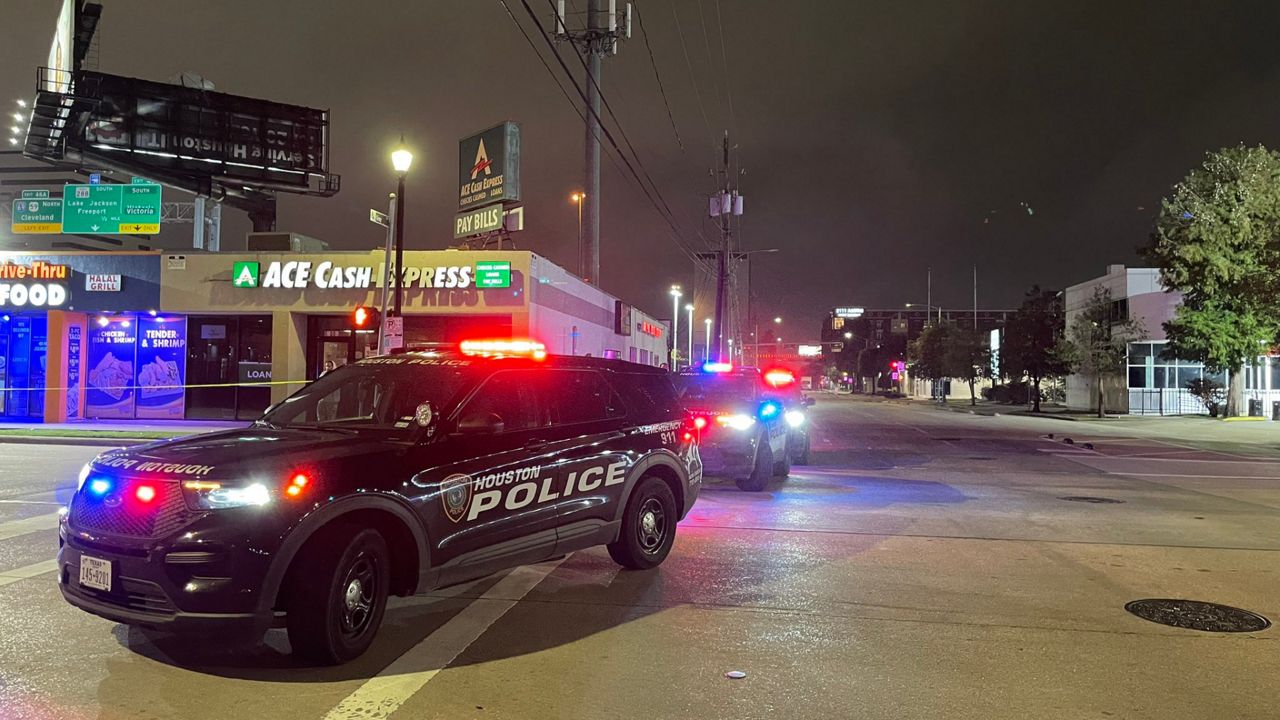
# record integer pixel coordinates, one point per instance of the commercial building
(223, 335)
(1154, 384)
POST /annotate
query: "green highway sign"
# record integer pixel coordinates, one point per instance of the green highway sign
(39, 215)
(493, 274)
(111, 209)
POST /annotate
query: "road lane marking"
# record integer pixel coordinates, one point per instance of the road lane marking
(384, 693)
(8, 577)
(14, 528)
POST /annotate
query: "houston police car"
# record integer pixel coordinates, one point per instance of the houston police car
(742, 431)
(391, 475)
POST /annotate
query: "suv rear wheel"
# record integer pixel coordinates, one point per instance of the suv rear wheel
(648, 526)
(759, 477)
(338, 595)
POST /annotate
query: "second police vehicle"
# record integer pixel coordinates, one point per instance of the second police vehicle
(749, 425)
(390, 476)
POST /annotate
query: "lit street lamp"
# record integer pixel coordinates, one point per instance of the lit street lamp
(401, 159)
(848, 336)
(777, 321)
(689, 309)
(675, 327)
(576, 198)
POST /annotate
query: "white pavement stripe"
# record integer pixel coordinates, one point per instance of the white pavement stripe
(8, 577)
(14, 528)
(31, 502)
(384, 693)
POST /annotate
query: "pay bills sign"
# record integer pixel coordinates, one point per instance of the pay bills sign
(489, 166)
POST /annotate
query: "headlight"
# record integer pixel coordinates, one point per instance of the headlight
(737, 422)
(84, 475)
(206, 495)
(795, 418)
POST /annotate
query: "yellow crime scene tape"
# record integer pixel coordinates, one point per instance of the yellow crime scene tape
(263, 383)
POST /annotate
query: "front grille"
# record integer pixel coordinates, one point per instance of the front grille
(120, 513)
(134, 594)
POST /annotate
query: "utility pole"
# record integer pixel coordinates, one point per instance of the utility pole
(975, 297)
(724, 204)
(928, 295)
(598, 38)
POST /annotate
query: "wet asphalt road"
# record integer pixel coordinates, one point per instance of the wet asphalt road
(925, 566)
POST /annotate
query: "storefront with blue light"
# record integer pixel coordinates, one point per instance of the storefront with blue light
(81, 337)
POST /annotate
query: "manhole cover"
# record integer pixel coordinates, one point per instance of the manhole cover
(1196, 615)
(1090, 499)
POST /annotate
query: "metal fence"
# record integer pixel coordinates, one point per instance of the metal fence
(1180, 401)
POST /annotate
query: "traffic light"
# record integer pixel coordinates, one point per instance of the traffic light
(365, 319)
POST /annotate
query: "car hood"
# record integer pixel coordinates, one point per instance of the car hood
(230, 454)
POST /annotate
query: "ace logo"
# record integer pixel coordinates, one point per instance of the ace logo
(455, 495)
(244, 275)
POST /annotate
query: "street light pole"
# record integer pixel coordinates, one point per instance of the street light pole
(577, 199)
(675, 327)
(708, 324)
(689, 309)
(401, 160)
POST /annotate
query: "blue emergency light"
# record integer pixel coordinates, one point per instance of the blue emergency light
(717, 367)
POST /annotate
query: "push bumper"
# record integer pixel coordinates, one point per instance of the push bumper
(729, 459)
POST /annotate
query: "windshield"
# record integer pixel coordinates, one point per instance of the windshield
(372, 395)
(711, 390)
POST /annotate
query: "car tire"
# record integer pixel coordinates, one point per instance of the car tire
(782, 468)
(759, 478)
(337, 595)
(648, 526)
(802, 457)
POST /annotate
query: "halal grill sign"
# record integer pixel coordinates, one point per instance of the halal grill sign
(39, 284)
(489, 166)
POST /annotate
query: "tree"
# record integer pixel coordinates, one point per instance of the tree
(968, 358)
(1097, 340)
(1209, 392)
(944, 350)
(1216, 243)
(1031, 340)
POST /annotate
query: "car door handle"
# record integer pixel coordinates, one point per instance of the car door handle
(535, 445)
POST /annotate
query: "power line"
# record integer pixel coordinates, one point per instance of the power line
(693, 78)
(706, 43)
(675, 236)
(661, 89)
(609, 108)
(724, 57)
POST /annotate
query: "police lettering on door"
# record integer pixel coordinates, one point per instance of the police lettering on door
(466, 497)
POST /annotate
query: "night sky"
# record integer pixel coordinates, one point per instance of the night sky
(878, 138)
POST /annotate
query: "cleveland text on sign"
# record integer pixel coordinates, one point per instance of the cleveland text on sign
(40, 215)
(112, 209)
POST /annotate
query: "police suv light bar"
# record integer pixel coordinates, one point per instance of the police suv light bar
(717, 367)
(504, 348)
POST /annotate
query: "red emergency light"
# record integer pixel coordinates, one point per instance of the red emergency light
(504, 348)
(779, 377)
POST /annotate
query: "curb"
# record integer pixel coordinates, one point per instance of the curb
(81, 441)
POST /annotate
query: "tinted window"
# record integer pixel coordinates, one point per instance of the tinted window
(378, 396)
(650, 395)
(717, 388)
(582, 396)
(512, 396)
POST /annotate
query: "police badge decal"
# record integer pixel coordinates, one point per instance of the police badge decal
(455, 495)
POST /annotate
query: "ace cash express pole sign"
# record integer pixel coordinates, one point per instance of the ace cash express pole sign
(489, 166)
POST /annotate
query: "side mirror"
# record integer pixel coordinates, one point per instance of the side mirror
(480, 424)
(808, 402)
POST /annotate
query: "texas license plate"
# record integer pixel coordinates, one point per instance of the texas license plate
(95, 573)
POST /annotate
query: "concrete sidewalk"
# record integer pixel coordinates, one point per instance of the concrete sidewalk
(108, 432)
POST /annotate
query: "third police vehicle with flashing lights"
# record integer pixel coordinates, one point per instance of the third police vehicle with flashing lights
(743, 424)
(389, 476)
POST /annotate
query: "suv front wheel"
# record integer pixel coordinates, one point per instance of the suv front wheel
(338, 595)
(648, 526)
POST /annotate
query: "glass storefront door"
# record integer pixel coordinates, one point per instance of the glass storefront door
(24, 346)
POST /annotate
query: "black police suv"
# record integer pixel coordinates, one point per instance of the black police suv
(742, 432)
(391, 475)
(783, 386)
